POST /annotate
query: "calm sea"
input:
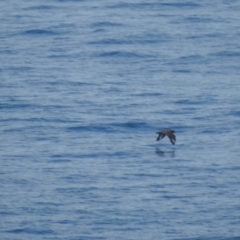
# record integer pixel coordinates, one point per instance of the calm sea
(85, 86)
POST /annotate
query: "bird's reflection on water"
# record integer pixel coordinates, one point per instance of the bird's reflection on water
(165, 153)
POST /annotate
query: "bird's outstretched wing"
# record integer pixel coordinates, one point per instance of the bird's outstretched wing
(160, 136)
(172, 137)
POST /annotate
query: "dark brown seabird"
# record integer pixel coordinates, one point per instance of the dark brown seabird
(169, 133)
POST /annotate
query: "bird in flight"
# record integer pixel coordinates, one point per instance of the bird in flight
(169, 133)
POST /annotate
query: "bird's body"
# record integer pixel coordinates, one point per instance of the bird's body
(169, 133)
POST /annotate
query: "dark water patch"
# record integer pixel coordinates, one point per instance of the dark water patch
(49, 120)
(182, 5)
(16, 106)
(41, 32)
(214, 238)
(7, 213)
(150, 38)
(183, 71)
(203, 118)
(16, 157)
(93, 155)
(171, 112)
(204, 36)
(56, 156)
(149, 94)
(120, 54)
(150, 175)
(79, 83)
(17, 230)
(36, 120)
(90, 155)
(189, 59)
(182, 127)
(158, 5)
(235, 168)
(106, 24)
(48, 204)
(200, 20)
(129, 5)
(40, 210)
(212, 131)
(75, 177)
(18, 69)
(76, 83)
(30, 231)
(135, 125)
(60, 161)
(110, 127)
(226, 54)
(104, 154)
(7, 51)
(64, 56)
(109, 42)
(67, 222)
(22, 182)
(70, 1)
(189, 102)
(132, 39)
(92, 128)
(65, 158)
(114, 90)
(76, 190)
(209, 237)
(99, 30)
(235, 113)
(41, 7)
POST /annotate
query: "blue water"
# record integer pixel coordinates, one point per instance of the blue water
(85, 85)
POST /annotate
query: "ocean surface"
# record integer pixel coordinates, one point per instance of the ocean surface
(85, 86)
